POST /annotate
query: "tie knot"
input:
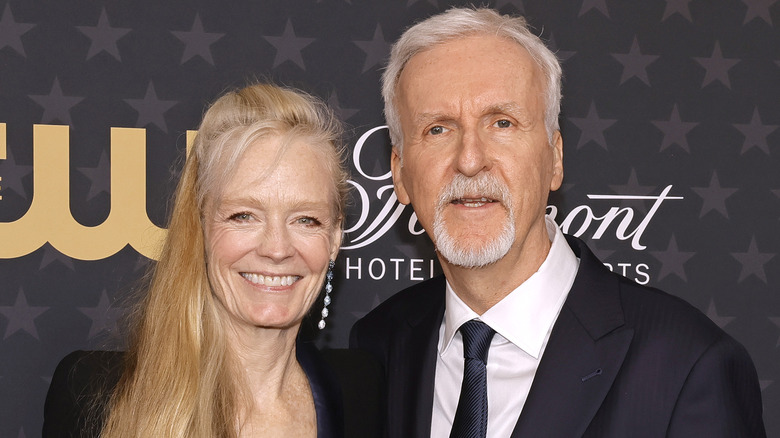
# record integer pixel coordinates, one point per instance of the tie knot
(476, 339)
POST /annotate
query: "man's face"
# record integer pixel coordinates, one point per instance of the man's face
(477, 165)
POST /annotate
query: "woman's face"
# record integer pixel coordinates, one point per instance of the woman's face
(270, 236)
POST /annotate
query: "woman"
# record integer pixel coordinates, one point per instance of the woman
(214, 351)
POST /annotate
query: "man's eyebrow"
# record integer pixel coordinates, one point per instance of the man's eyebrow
(424, 118)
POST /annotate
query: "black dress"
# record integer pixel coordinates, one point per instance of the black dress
(346, 386)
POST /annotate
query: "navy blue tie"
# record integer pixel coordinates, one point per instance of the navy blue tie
(472, 413)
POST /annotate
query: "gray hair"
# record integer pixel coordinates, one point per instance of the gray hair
(462, 22)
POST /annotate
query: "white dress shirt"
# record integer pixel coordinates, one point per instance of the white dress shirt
(523, 321)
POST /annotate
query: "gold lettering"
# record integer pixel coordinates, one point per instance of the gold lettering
(49, 218)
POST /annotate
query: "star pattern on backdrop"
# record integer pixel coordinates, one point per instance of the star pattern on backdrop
(681, 7)
(288, 46)
(672, 260)
(103, 37)
(632, 187)
(11, 32)
(714, 197)
(151, 109)
(21, 316)
(717, 67)
(634, 63)
(758, 9)
(343, 114)
(592, 127)
(197, 42)
(99, 176)
(712, 313)
(755, 133)
(675, 130)
(12, 173)
(599, 5)
(776, 321)
(56, 106)
(51, 255)
(752, 261)
(376, 49)
(103, 315)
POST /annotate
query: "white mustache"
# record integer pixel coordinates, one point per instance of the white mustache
(483, 185)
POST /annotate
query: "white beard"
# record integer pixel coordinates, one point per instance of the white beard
(477, 255)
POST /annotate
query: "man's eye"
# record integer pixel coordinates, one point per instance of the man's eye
(503, 124)
(436, 130)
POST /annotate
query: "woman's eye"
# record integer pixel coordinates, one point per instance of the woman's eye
(241, 217)
(503, 124)
(308, 221)
(436, 130)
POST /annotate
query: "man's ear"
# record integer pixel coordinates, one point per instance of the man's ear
(398, 183)
(557, 163)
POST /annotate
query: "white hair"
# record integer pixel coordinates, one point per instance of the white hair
(462, 22)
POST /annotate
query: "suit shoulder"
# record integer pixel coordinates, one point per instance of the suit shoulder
(421, 295)
(80, 388)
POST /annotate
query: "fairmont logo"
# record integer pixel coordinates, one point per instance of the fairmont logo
(49, 217)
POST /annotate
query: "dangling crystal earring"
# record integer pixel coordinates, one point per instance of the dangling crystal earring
(328, 290)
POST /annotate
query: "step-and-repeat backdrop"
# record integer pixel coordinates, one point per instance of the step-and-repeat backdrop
(671, 127)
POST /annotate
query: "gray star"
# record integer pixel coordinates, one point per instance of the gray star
(758, 9)
(56, 106)
(11, 31)
(675, 130)
(712, 313)
(592, 127)
(764, 384)
(714, 197)
(288, 46)
(632, 187)
(672, 260)
(755, 133)
(99, 176)
(103, 316)
(103, 37)
(717, 67)
(197, 42)
(51, 255)
(635, 63)
(752, 261)
(151, 109)
(776, 321)
(599, 5)
(12, 174)
(563, 55)
(342, 113)
(376, 49)
(21, 316)
(600, 253)
(677, 7)
(360, 314)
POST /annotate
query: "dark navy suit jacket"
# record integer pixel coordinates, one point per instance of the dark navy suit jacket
(623, 360)
(346, 386)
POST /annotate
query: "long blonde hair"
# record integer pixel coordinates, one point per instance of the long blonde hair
(179, 379)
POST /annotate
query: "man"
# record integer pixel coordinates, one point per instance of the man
(472, 101)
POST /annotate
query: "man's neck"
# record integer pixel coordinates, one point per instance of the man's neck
(481, 288)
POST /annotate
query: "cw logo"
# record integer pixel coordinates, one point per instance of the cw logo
(49, 218)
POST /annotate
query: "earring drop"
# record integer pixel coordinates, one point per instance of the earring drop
(328, 290)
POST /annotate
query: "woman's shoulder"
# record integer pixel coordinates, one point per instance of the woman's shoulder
(79, 391)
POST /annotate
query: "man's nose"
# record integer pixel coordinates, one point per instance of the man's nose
(472, 154)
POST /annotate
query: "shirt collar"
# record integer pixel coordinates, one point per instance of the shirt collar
(525, 316)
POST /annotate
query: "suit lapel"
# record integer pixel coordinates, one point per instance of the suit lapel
(416, 350)
(583, 356)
